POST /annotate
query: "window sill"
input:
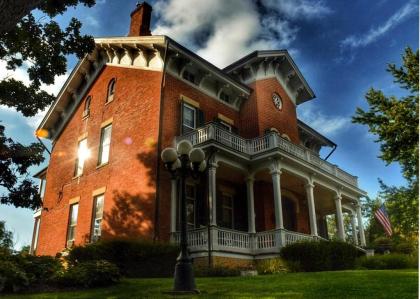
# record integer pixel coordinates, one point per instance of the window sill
(85, 117)
(102, 165)
(109, 102)
(77, 177)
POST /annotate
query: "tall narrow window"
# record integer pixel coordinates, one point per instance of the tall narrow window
(190, 194)
(188, 118)
(105, 144)
(71, 234)
(35, 235)
(98, 210)
(111, 91)
(86, 110)
(227, 210)
(82, 154)
(42, 184)
(224, 97)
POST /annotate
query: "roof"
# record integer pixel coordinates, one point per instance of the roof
(41, 173)
(274, 54)
(315, 133)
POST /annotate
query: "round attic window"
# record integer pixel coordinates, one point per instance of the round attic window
(278, 103)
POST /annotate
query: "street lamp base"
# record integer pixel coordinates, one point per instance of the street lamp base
(184, 277)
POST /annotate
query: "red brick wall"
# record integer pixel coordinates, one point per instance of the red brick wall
(259, 113)
(171, 120)
(130, 175)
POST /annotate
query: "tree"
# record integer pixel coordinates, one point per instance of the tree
(395, 122)
(6, 237)
(40, 46)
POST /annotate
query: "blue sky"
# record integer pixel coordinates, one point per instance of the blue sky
(341, 47)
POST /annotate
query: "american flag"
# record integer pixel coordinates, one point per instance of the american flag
(383, 218)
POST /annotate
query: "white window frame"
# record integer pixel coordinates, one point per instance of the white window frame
(97, 228)
(36, 234)
(185, 105)
(80, 163)
(231, 207)
(102, 145)
(226, 126)
(42, 186)
(194, 201)
(71, 230)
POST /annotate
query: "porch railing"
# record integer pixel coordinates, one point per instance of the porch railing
(213, 132)
(241, 242)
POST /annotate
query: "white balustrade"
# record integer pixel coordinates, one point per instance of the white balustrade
(242, 242)
(261, 144)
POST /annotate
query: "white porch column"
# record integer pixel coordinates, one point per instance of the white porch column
(360, 225)
(354, 229)
(174, 193)
(311, 205)
(251, 209)
(212, 193)
(339, 218)
(275, 175)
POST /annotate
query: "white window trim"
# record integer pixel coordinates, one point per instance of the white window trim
(195, 116)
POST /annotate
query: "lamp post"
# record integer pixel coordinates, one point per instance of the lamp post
(183, 162)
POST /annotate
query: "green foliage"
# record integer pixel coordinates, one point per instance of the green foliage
(271, 266)
(90, 274)
(15, 159)
(41, 47)
(12, 278)
(387, 261)
(6, 237)
(395, 122)
(40, 270)
(310, 256)
(133, 258)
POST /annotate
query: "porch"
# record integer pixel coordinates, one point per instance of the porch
(262, 194)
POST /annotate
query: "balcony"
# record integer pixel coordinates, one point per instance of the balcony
(256, 146)
(232, 241)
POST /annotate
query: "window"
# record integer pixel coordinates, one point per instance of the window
(71, 234)
(42, 184)
(35, 235)
(105, 145)
(225, 126)
(188, 76)
(190, 193)
(86, 110)
(188, 118)
(98, 210)
(111, 91)
(227, 210)
(224, 97)
(82, 154)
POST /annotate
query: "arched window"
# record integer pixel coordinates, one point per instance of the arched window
(86, 110)
(111, 90)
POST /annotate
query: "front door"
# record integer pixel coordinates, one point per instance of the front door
(289, 214)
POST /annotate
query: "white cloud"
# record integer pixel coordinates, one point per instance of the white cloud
(325, 124)
(222, 31)
(295, 9)
(374, 34)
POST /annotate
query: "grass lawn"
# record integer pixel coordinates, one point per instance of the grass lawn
(400, 284)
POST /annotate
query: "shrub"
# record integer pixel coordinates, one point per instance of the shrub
(388, 261)
(12, 278)
(270, 266)
(133, 258)
(90, 274)
(403, 247)
(382, 244)
(313, 256)
(40, 270)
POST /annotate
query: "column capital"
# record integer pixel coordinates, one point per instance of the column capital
(338, 197)
(213, 165)
(275, 171)
(309, 185)
(250, 179)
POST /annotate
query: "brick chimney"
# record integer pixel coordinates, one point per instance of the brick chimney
(140, 20)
